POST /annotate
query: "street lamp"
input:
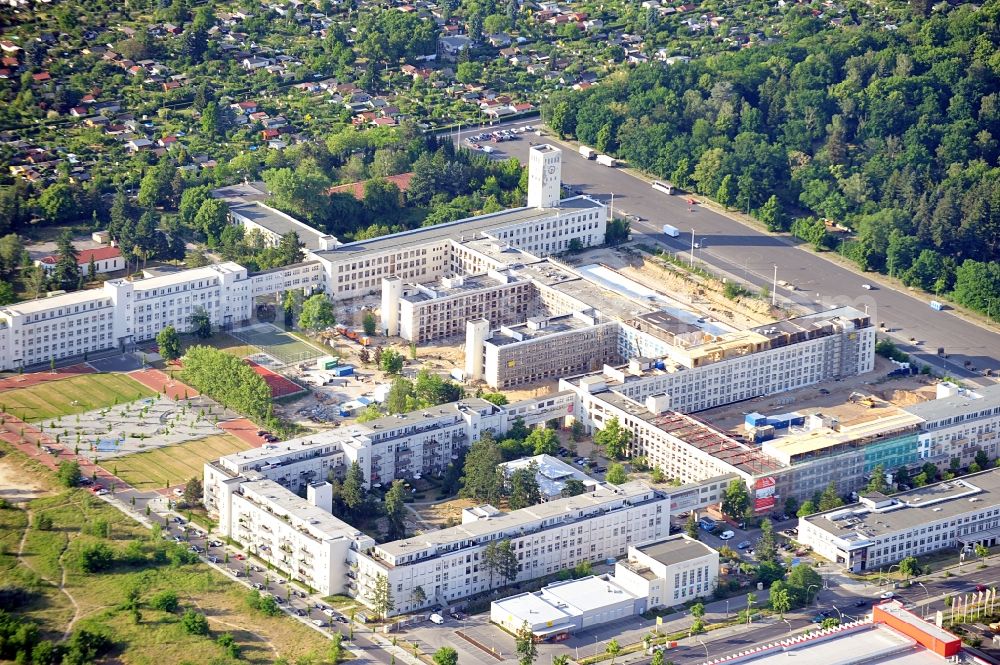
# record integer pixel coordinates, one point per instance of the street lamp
(789, 623)
(704, 645)
(813, 586)
(692, 248)
(774, 286)
(839, 613)
(924, 613)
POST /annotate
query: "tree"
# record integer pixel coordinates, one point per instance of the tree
(524, 490)
(169, 343)
(613, 649)
(902, 476)
(391, 362)
(877, 482)
(981, 551)
(201, 324)
(68, 473)
(736, 501)
(317, 313)
(229, 381)
(573, 487)
(91, 269)
(481, 478)
(802, 581)
(395, 509)
(445, 656)
(616, 474)
(781, 598)
(542, 441)
(506, 561)
(525, 645)
(57, 203)
(353, 491)
(193, 491)
(909, 566)
(613, 438)
(369, 323)
(381, 597)
(496, 398)
(211, 219)
(67, 271)
(830, 500)
(164, 601)
(289, 249)
(791, 505)
(767, 549)
(806, 509)
(691, 527)
(982, 459)
(336, 652)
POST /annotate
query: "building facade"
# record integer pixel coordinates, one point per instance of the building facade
(879, 530)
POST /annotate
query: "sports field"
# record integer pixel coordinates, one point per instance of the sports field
(277, 343)
(73, 395)
(173, 465)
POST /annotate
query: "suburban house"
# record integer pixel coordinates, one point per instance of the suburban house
(106, 259)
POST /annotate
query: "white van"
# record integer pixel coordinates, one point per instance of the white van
(436, 618)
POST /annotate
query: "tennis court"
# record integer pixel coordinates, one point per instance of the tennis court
(272, 341)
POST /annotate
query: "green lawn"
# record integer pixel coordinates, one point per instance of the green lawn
(173, 465)
(73, 395)
(95, 600)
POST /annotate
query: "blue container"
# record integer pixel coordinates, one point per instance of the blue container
(343, 370)
(754, 419)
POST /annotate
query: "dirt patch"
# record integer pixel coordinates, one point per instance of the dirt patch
(17, 486)
(699, 294)
(444, 514)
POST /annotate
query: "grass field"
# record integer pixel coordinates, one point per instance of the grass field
(94, 601)
(74, 395)
(173, 464)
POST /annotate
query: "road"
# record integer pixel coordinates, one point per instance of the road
(743, 252)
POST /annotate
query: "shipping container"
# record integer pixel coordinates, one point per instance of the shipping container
(343, 370)
(607, 160)
(587, 153)
(671, 231)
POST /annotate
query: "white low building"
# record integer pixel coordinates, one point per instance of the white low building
(669, 572)
(550, 473)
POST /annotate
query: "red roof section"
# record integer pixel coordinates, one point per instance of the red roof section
(99, 254)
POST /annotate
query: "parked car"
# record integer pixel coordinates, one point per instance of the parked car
(861, 603)
(887, 595)
(318, 622)
(436, 618)
(327, 611)
(744, 544)
(726, 535)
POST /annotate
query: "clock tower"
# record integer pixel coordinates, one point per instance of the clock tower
(544, 176)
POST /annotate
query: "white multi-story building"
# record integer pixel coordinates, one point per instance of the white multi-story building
(958, 424)
(123, 312)
(670, 572)
(299, 536)
(448, 564)
(880, 530)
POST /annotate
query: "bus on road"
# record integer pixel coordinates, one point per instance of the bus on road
(664, 187)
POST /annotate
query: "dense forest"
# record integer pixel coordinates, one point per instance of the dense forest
(889, 130)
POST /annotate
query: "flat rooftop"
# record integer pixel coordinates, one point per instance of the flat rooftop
(539, 327)
(676, 549)
(44, 304)
(587, 594)
(631, 492)
(535, 606)
(982, 400)
(396, 421)
(799, 442)
(747, 458)
(874, 643)
(321, 524)
(469, 228)
(859, 523)
(552, 473)
(449, 287)
(277, 222)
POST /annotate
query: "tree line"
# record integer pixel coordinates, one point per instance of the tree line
(229, 381)
(890, 133)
